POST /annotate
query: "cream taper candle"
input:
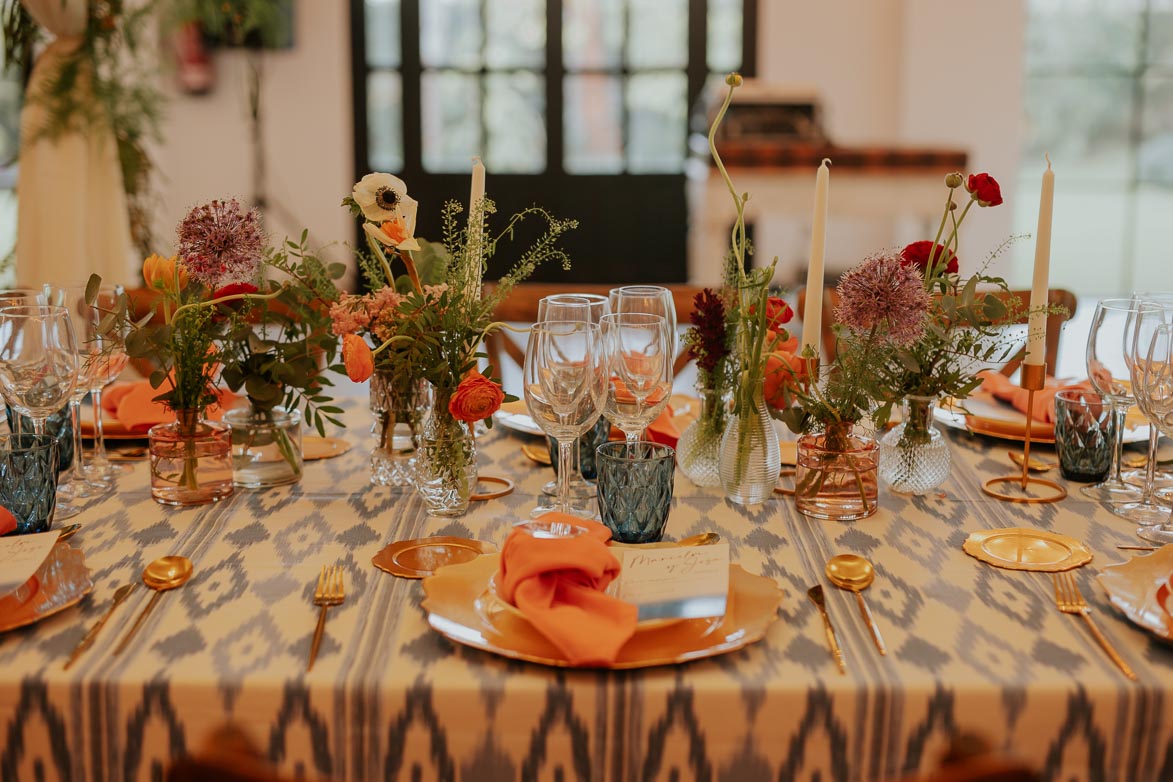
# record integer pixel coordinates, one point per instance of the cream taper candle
(1036, 339)
(812, 318)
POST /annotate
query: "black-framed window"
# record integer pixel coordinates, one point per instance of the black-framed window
(582, 106)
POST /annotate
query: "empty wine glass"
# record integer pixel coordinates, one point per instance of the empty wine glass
(1152, 378)
(107, 352)
(38, 365)
(650, 300)
(563, 380)
(638, 356)
(1108, 369)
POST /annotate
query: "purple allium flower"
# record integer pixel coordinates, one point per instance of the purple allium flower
(882, 292)
(220, 243)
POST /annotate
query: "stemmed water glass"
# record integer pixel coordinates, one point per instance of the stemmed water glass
(637, 349)
(1108, 369)
(107, 354)
(650, 300)
(1152, 379)
(38, 365)
(563, 379)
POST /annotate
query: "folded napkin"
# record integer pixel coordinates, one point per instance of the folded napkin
(663, 430)
(7, 521)
(132, 403)
(1001, 388)
(558, 583)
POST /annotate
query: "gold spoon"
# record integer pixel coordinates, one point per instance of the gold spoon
(68, 532)
(702, 539)
(119, 595)
(1035, 465)
(855, 574)
(164, 574)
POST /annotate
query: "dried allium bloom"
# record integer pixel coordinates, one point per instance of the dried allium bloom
(882, 292)
(220, 243)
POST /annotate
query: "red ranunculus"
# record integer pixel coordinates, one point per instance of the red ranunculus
(476, 398)
(985, 189)
(918, 253)
(777, 313)
(234, 288)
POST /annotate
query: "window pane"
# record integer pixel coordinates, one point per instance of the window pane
(592, 33)
(517, 34)
(1082, 34)
(384, 121)
(593, 125)
(451, 120)
(656, 109)
(657, 34)
(1083, 122)
(451, 34)
(1161, 32)
(1155, 155)
(515, 116)
(724, 44)
(382, 33)
(1154, 235)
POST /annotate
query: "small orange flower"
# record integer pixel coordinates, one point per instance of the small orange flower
(396, 231)
(160, 273)
(358, 358)
(785, 369)
(476, 398)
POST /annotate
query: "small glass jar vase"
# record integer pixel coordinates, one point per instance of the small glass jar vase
(750, 456)
(914, 456)
(836, 475)
(191, 460)
(397, 406)
(446, 461)
(266, 446)
(698, 452)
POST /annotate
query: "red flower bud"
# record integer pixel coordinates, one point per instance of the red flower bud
(985, 189)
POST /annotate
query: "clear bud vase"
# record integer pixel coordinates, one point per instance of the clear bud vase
(698, 451)
(266, 446)
(397, 407)
(750, 456)
(914, 456)
(446, 461)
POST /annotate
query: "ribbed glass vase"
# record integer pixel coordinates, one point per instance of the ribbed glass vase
(914, 456)
(750, 456)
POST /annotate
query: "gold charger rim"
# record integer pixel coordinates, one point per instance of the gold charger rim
(754, 602)
(337, 447)
(63, 581)
(387, 559)
(1078, 553)
(1132, 586)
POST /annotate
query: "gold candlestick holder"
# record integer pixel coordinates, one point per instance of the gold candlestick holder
(1016, 488)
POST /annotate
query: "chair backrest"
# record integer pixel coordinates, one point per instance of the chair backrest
(521, 306)
(1056, 297)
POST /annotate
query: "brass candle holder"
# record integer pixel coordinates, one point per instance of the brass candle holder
(1013, 488)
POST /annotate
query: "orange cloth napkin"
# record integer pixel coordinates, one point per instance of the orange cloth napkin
(132, 404)
(558, 583)
(1001, 388)
(663, 430)
(7, 521)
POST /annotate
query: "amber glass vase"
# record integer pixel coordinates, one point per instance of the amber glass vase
(191, 460)
(836, 475)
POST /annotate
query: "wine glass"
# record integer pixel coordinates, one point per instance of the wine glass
(648, 299)
(1152, 378)
(38, 365)
(1108, 369)
(587, 308)
(107, 352)
(563, 380)
(638, 356)
(15, 297)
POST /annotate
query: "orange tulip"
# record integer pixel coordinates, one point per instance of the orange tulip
(358, 358)
(160, 274)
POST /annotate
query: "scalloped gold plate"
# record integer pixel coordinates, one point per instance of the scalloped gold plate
(421, 557)
(61, 581)
(1018, 548)
(1136, 589)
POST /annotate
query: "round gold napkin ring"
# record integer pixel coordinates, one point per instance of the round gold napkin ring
(993, 488)
(782, 489)
(492, 495)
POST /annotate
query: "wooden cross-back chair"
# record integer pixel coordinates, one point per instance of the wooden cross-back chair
(1056, 297)
(521, 306)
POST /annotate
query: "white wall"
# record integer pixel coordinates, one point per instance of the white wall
(308, 133)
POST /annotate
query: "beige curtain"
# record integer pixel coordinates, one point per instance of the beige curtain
(72, 217)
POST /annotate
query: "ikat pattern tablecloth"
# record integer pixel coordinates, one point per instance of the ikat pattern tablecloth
(971, 648)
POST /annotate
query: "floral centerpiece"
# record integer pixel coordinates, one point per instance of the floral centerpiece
(434, 332)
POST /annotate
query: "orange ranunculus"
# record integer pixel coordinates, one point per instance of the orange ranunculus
(476, 398)
(785, 368)
(358, 358)
(160, 273)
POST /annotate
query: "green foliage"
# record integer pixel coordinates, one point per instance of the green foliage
(235, 19)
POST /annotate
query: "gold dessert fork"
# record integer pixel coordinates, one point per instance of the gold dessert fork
(1070, 601)
(329, 592)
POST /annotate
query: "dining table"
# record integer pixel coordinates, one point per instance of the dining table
(971, 647)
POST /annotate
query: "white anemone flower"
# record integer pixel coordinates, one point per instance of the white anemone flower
(384, 197)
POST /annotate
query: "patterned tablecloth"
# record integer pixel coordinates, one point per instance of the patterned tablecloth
(971, 647)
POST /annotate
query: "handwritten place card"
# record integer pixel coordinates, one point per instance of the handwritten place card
(686, 582)
(20, 556)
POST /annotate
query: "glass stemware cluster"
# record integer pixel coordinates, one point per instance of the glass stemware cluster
(1149, 351)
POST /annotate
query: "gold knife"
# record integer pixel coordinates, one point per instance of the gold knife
(815, 593)
(121, 594)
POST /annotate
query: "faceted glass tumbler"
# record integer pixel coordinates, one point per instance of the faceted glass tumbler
(28, 479)
(1085, 432)
(635, 483)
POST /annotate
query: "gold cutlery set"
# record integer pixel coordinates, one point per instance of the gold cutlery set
(852, 573)
(1070, 601)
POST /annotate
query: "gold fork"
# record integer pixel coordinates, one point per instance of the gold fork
(329, 592)
(1070, 601)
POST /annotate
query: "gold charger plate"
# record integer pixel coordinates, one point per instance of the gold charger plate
(61, 581)
(1133, 587)
(314, 447)
(421, 557)
(460, 608)
(1017, 548)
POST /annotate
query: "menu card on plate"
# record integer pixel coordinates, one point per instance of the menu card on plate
(674, 583)
(20, 556)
